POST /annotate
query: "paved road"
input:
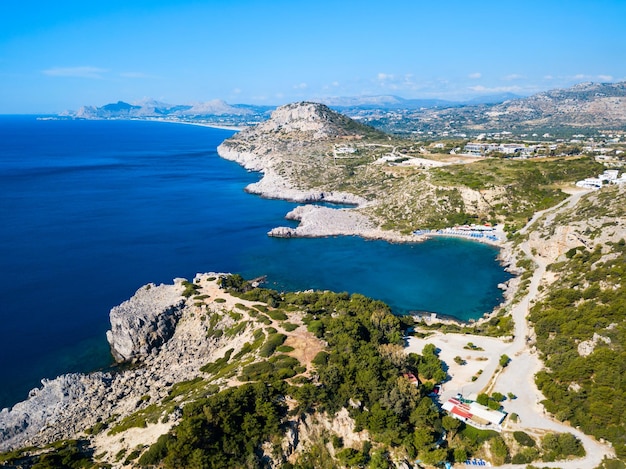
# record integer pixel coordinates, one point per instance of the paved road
(518, 377)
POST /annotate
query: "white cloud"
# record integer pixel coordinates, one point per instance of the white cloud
(513, 76)
(76, 72)
(385, 77)
(581, 76)
(475, 75)
(237, 91)
(548, 77)
(605, 77)
(300, 86)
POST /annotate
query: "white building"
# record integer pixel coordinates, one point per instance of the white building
(474, 414)
(610, 176)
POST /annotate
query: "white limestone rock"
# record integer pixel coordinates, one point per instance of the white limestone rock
(145, 322)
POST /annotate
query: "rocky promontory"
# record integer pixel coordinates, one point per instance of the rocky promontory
(145, 321)
(318, 221)
(279, 145)
(166, 336)
(296, 151)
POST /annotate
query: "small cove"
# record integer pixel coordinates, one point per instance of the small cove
(93, 210)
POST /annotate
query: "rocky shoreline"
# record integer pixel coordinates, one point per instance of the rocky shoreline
(160, 331)
(273, 186)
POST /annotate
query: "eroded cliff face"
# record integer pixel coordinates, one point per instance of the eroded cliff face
(145, 321)
(168, 338)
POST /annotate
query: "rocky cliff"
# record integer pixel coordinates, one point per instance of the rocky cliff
(295, 138)
(146, 321)
(126, 410)
(163, 332)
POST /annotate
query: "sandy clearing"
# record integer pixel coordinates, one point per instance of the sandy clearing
(453, 345)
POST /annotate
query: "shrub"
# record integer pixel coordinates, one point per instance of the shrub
(190, 289)
(524, 439)
(272, 342)
(504, 360)
(289, 327)
(277, 315)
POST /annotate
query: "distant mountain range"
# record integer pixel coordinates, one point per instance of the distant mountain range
(156, 109)
(591, 105)
(150, 108)
(396, 102)
(586, 105)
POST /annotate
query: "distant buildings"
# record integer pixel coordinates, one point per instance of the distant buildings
(514, 149)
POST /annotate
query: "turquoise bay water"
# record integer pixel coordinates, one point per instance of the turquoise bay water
(92, 210)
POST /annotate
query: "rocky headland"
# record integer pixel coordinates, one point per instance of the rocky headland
(300, 139)
(168, 339)
(159, 333)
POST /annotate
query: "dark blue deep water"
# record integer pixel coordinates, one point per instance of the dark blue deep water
(92, 210)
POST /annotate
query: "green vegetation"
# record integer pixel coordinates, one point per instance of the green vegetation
(273, 341)
(222, 431)
(276, 368)
(511, 191)
(190, 289)
(361, 370)
(289, 327)
(560, 446)
(588, 301)
(504, 361)
(493, 402)
(530, 185)
(524, 439)
(65, 454)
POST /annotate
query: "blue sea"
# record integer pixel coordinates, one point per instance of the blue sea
(92, 210)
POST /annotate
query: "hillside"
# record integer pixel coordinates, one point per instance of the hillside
(580, 320)
(599, 106)
(308, 152)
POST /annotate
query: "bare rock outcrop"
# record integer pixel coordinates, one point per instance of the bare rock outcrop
(145, 321)
(318, 221)
(69, 404)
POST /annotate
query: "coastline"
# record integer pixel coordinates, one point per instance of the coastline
(319, 221)
(199, 124)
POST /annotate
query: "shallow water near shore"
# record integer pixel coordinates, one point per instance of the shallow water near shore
(93, 210)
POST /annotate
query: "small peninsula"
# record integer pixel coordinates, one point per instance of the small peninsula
(217, 371)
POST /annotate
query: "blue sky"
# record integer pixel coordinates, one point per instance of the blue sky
(58, 55)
